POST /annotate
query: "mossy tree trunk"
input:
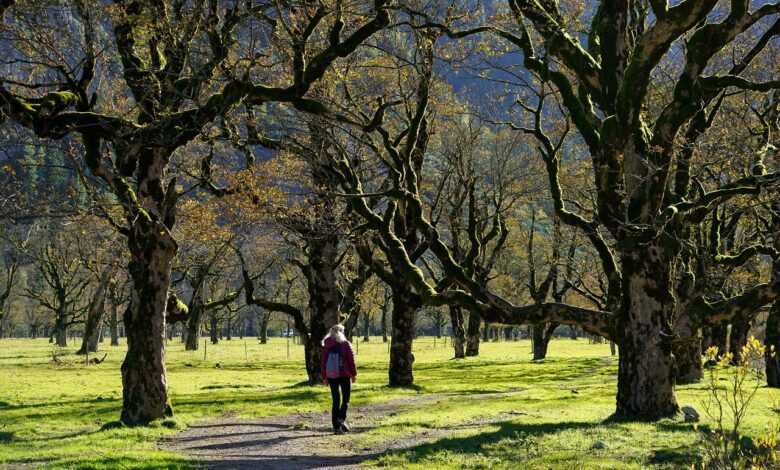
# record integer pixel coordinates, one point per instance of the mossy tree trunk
(213, 327)
(144, 381)
(458, 331)
(95, 315)
(194, 321)
(61, 327)
(366, 327)
(738, 336)
(5, 294)
(646, 372)
(772, 343)
(687, 351)
(473, 334)
(716, 336)
(383, 321)
(324, 299)
(263, 325)
(542, 334)
(405, 307)
(772, 339)
(113, 324)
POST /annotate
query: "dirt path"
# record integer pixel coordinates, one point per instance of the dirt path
(304, 440)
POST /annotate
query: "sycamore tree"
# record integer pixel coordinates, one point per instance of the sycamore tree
(136, 81)
(647, 196)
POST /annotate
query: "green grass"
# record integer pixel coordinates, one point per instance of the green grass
(552, 416)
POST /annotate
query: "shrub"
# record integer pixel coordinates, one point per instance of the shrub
(731, 391)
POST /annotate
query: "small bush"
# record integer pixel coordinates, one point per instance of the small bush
(728, 402)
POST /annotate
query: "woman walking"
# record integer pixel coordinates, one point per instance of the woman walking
(338, 370)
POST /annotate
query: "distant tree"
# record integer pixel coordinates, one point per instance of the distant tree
(176, 69)
(6, 289)
(60, 283)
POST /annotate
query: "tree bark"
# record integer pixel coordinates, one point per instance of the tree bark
(113, 324)
(366, 327)
(687, 352)
(60, 329)
(458, 332)
(95, 313)
(646, 375)
(324, 298)
(542, 334)
(214, 327)
(405, 307)
(384, 322)
(772, 343)
(716, 336)
(264, 329)
(772, 338)
(740, 330)
(472, 334)
(144, 382)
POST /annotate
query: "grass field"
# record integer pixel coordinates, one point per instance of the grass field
(54, 415)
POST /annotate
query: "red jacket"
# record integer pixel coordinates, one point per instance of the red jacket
(348, 368)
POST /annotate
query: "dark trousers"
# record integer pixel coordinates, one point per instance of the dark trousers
(339, 391)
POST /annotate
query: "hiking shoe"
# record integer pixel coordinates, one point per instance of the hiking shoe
(344, 427)
(338, 431)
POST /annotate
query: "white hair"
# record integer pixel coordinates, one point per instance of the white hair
(337, 333)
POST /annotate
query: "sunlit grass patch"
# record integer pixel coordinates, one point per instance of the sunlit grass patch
(498, 410)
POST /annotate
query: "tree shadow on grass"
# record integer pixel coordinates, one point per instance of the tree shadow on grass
(413, 387)
(108, 461)
(479, 444)
(678, 457)
(475, 444)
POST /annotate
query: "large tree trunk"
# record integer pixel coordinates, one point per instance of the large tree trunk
(716, 336)
(687, 351)
(144, 382)
(95, 313)
(312, 351)
(772, 343)
(542, 334)
(264, 328)
(324, 298)
(472, 334)
(60, 330)
(405, 307)
(458, 332)
(194, 321)
(740, 330)
(772, 339)
(214, 327)
(646, 375)
(366, 327)
(508, 330)
(384, 322)
(113, 324)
